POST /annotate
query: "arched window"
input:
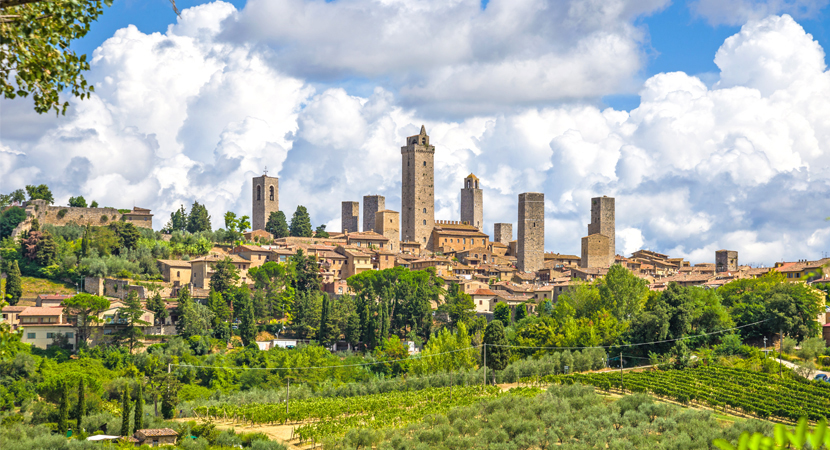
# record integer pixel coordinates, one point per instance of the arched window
(424, 141)
(425, 210)
(258, 193)
(425, 222)
(425, 163)
(272, 193)
(178, 273)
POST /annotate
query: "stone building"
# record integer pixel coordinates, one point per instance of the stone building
(418, 190)
(266, 199)
(603, 222)
(371, 205)
(472, 203)
(595, 251)
(388, 224)
(726, 261)
(530, 246)
(350, 217)
(503, 233)
(454, 236)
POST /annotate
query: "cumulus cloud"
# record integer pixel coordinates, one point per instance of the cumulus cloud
(737, 12)
(193, 115)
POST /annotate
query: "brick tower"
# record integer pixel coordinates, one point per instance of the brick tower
(472, 203)
(388, 224)
(418, 190)
(350, 217)
(503, 232)
(371, 205)
(603, 222)
(266, 199)
(530, 248)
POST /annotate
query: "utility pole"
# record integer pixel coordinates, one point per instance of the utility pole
(485, 364)
(766, 352)
(287, 392)
(621, 372)
(780, 351)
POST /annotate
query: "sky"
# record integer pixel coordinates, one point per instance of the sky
(708, 120)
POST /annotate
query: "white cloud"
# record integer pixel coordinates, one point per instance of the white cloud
(737, 12)
(190, 115)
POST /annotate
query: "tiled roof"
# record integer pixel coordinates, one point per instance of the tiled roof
(41, 311)
(483, 292)
(53, 297)
(12, 309)
(154, 432)
(367, 236)
(217, 258)
(251, 248)
(174, 263)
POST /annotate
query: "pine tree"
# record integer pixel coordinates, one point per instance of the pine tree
(277, 225)
(139, 407)
(198, 220)
(81, 409)
(125, 412)
(63, 411)
(301, 223)
(14, 286)
(247, 326)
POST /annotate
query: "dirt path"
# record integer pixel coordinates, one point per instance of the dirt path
(279, 433)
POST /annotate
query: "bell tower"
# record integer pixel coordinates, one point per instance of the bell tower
(418, 190)
(266, 199)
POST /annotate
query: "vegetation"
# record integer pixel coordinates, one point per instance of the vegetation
(300, 223)
(277, 225)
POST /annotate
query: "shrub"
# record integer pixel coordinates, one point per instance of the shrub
(62, 213)
(104, 218)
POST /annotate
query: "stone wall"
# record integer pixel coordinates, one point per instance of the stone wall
(418, 190)
(119, 288)
(530, 247)
(350, 217)
(603, 221)
(47, 214)
(503, 233)
(371, 205)
(472, 203)
(263, 202)
(387, 223)
(726, 261)
(595, 252)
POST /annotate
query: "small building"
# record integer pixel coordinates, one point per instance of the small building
(175, 271)
(202, 269)
(356, 261)
(258, 236)
(10, 315)
(48, 300)
(43, 325)
(367, 239)
(139, 217)
(255, 254)
(449, 235)
(155, 437)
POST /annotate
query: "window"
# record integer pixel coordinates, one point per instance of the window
(272, 193)
(425, 163)
(425, 222)
(424, 141)
(258, 192)
(178, 273)
(28, 320)
(425, 210)
(50, 335)
(70, 335)
(31, 335)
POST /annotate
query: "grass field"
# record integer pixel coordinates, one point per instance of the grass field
(32, 287)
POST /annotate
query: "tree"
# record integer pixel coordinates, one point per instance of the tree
(501, 312)
(156, 304)
(10, 219)
(321, 232)
(231, 224)
(244, 223)
(63, 410)
(40, 192)
(125, 412)
(77, 202)
(301, 223)
(169, 398)
(94, 204)
(623, 291)
(40, 247)
(36, 42)
(194, 318)
(277, 224)
(307, 311)
(139, 406)
(85, 309)
(199, 219)
(459, 307)
(178, 221)
(80, 411)
(306, 272)
(130, 316)
(273, 281)
(219, 308)
(14, 285)
(521, 312)
(18, 196)
(496, 351)
(126, 234)
(224, 278)
(247, 325)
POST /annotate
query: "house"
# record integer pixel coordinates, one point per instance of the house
(413, 248)
(175, 271)
(155, 437)
(255, 254)
(139, 217)
(10, 314)
(258, 236)
(383, 259)
(43, 325)
(47, 300)
(202, 269)
(484, 300)
(280, 255)
(356, 261)
(475, 256)
(367, 239)
(448, 235)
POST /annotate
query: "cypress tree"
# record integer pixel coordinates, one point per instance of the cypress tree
(81, 409)
(85, 243)
(14, 286)
(300, 223)
(324, 314)
(63, 417)
(139, 407)
(125, 412)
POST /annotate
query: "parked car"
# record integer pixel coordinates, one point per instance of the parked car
(822, 377)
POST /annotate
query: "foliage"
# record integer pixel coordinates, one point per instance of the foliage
(300, 223)
(224, 277)
(77, 202)
(80, 409)
(446, 352)
(157, 305)
(198, 220)
(10, 219)
(458, 307)
(274, 281)
(247, 325)
(495, 350)
(14, 286)
(623, 293)
(277, 225)
(125, 412)
(321, 232)
(85, 308)
(501, 312)
(17, 196)
(177, 222)
(139, 406)
(130, 317)
(39, 192)
(63, 415)
(781, 438)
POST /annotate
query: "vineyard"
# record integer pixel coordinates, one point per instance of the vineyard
(754, 393)
(319, 418)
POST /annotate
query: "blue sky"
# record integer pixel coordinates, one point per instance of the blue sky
(706, 120)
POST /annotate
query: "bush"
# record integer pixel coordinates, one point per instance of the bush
(788, 346)
(191, 392)
(62, 213)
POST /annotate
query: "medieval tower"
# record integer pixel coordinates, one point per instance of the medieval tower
(503, 232)
(600, 251)
(726, 261)
(371, 205)
(387, 223)
(472, 203)
(418, 190)
(350, 217)
(266, 199)
(530, 248)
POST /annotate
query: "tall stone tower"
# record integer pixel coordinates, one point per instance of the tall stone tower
(350, 217)
(603, 221)
(388, 223)
(726, 261)
(503, 232)
(472, 203)
(266, 199)
(530, 248)
(371, 205)
(418, 190)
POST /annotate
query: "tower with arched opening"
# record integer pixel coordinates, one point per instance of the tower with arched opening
(266, 199)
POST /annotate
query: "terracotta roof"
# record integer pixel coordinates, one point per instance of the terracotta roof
(41, 311)
(251, 248)
(483, 292)
(217, 258)
(53, 297)
(153, 432)
(368, 236)
(174, 263)
(11, 309)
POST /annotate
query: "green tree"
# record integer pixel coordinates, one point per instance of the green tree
(247, 325)
(169, 397)
(125, 412)
(40, 192)
(224, 278)
(273, 280)
(194, 318)
(182, 302)
(159, 308)
(130, 316)
(80, 410)
(244, 223)
(139, 406)
(306, 272)
(17, 196)
(277, 224)
(321, 232)
(300, 223)
(501, 312)
(178, 221)
(459, 307)
(39, 247)
(624, 292)
(77, 202)
(36, 42)
(85, 309)
(10, 219)
(521, 311)
(94, 204)
(199, 219)
(231, 224)
(496, 351)
(126, 234)
(219, 308)
(85, 243)
(14, 285)
(307, 311)
(63, 409)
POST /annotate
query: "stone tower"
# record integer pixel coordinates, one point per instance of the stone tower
(603, 222)
(350, 217)
(503, 232)
(418, 190)
(472, 203)
(371, 205)
(266, 199)
(726, 261)
(530, 248)
(388, 223)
